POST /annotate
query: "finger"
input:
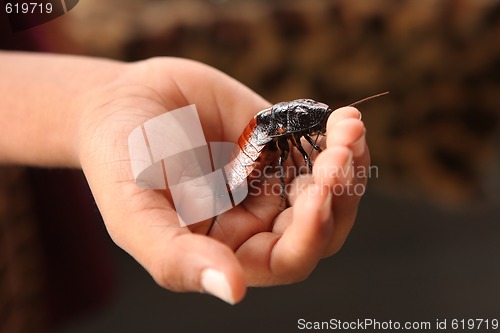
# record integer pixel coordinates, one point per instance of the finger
(344, 209)
(333, 166)
(338, 116)
(298, 186)
(191, 262)
(270, 258)
(333, 170)
(303, 242)
(346, 112)
(346, 200)
(341, 166)
(347, 132)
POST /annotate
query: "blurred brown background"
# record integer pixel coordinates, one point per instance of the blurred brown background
(427, 241)
(434, 136)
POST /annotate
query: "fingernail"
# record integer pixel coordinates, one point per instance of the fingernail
(358, 147)
(326, 208)
(215, 283)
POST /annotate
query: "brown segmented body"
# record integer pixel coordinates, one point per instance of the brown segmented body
(250, 157)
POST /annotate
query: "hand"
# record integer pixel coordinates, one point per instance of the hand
(253, 244)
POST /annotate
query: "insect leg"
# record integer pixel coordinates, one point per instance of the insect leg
(285, 148)
(313, 143)
(296, 143)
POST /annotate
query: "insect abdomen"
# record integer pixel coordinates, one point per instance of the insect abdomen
(249, 157)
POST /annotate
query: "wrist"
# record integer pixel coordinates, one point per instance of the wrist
(90, 109)
(43, 96)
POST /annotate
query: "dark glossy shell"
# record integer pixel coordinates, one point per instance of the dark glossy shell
(290, 117)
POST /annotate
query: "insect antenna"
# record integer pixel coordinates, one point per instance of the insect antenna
(352, 104)
(369, 98)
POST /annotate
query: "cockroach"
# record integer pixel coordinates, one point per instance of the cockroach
(267, 138)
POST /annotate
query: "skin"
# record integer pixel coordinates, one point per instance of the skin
(78, 112)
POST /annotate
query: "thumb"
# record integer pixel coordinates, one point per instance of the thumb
(177, 259)
(192, 262)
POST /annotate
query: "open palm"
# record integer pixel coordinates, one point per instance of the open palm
(255, 243)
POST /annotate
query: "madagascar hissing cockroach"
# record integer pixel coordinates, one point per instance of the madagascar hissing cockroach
(267, 137)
